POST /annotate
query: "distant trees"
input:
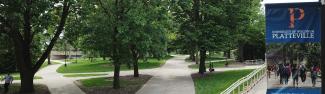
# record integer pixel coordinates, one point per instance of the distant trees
(123, 30)
(7, 61)
(212, 26)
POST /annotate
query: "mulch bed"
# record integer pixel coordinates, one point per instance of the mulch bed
(126, 89)
(14, 89)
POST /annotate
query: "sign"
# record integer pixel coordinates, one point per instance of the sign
(286, 23)
(287, 1)
(295, 91)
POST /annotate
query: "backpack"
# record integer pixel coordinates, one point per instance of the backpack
(286, 70)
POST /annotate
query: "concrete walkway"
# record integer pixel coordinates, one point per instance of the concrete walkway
(260, 87)
(56, 83)
(172, 78)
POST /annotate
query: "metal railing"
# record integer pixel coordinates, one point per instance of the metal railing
(246, 83)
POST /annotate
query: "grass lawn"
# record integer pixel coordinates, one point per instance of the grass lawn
(215, 83)
(99, 65)
(14, 89)
(215, 64)
(129, 85)
(17, 76)
(82, 75)
(45, 64)
(210, 58)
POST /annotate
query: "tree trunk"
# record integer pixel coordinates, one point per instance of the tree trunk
(192, 55)
(27, 78)
(197, 57)
(104, 58)
(136, 68)
(49, 59)
(227, 54)
(240, 52)
(135, 61)
(202, 67)
(116, 81)
(24, 62)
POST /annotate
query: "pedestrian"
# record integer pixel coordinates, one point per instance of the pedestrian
(281, 72)
(277, 72)
(295, 76)
(8, 80)
(313, 75)
(303, 73)
(286, 74)
(269, 71)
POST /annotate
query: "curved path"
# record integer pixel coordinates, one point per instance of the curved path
(172, 78)
(56, 83)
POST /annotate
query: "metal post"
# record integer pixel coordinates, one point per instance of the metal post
(65, 54)
(323, 46)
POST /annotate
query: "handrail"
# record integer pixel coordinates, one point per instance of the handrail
(245, 83)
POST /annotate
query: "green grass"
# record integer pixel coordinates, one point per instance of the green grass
(212, 58)
(215, 64)
(82, 75)
(45, 64)
(17, 76)
(99, 65)
(215, 83)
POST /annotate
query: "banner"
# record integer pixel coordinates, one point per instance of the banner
(293, 23)
(293, 48)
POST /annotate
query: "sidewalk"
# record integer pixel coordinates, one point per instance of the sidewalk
(56, 83)
(172, 78)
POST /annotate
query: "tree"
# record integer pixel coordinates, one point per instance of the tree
(136, 29)
(24, 25)
(212, 26)
(147, 23)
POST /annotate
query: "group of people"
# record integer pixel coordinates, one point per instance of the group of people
(7, 81)
(296, 71)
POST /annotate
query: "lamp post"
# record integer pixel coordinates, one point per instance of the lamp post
(65, 53)
(323, 45)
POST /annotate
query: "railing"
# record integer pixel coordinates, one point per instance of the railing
(246, 83)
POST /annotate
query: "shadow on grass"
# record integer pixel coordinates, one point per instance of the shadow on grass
(129, 85)
(14, 89)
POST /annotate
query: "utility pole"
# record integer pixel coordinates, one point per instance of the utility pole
(323, 46)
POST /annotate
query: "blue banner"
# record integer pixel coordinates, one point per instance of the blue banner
(294, 91)
(287, 23)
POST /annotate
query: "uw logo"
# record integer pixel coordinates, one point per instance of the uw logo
(293, 16)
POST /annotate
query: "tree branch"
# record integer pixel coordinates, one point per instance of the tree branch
(105, 9)
(27, 23)
(59, 30)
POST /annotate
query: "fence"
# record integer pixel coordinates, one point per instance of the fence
(244, 84)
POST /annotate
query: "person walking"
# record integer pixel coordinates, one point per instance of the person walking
(287, 73)
(281, 72)
(8, 80)
(303, 75)
(295, 76)
(313, 75)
